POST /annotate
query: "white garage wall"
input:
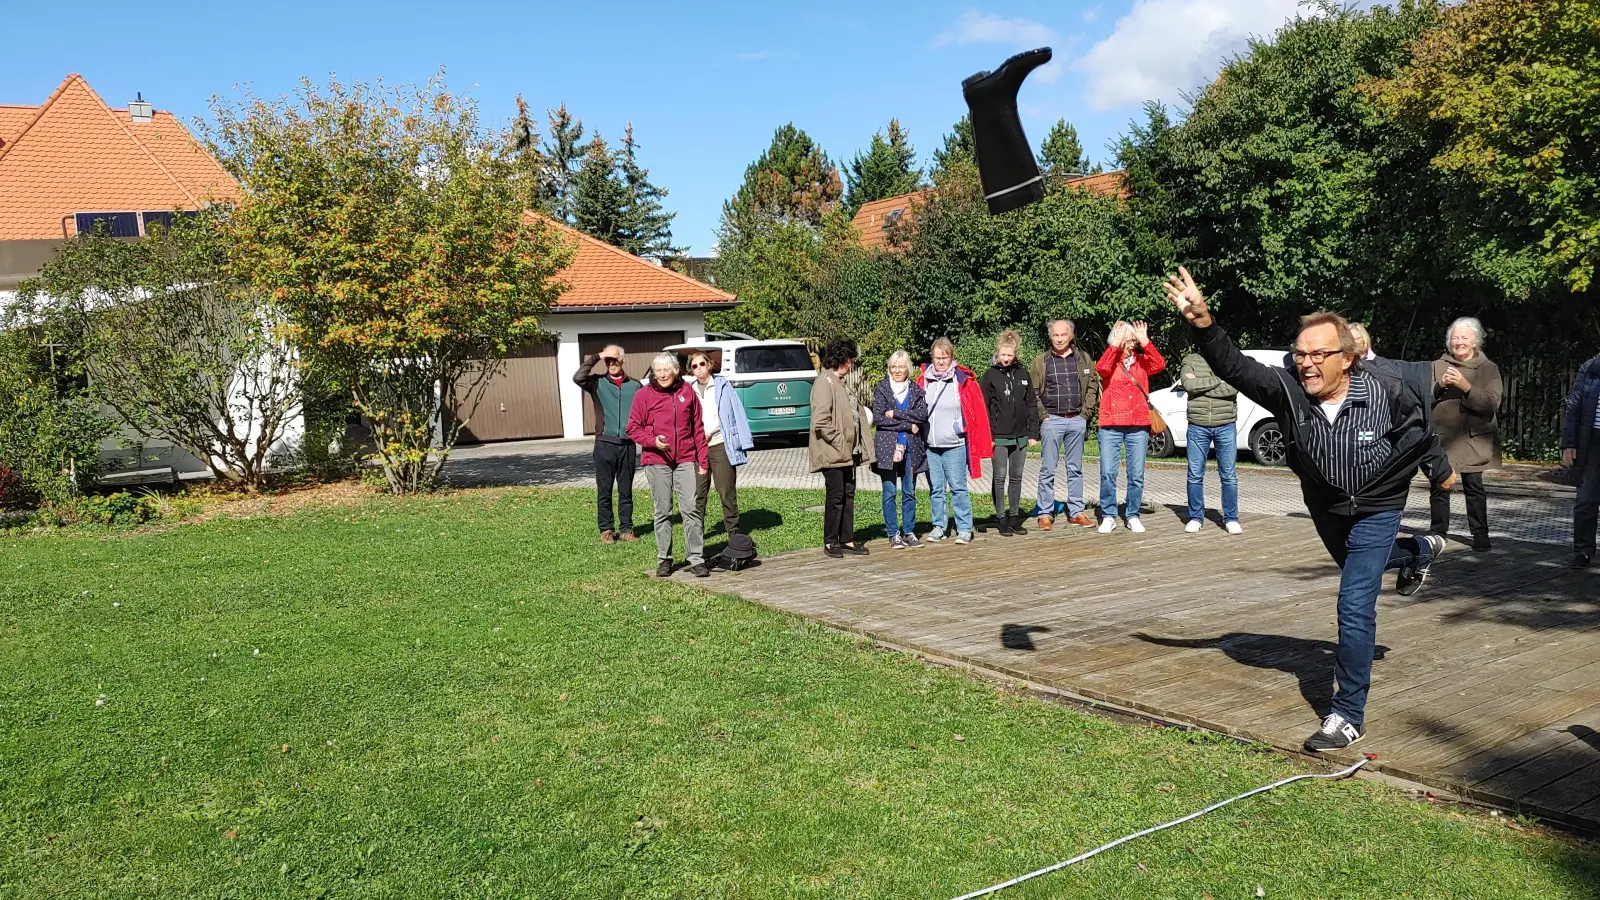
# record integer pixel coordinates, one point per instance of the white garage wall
(569, 325)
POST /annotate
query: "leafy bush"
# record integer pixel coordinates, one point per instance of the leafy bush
(49, 431)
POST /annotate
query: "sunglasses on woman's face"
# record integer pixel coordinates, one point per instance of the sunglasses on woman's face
(699, 365)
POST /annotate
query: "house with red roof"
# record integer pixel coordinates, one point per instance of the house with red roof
(74, 162)
(887, 224)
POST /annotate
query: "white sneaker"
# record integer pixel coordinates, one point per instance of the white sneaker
(1108, 525)
(935, 536)
(964, 537)
(1136, 526)
(1233, 527)
(1193, 526)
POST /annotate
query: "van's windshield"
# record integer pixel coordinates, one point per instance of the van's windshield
(766, 360)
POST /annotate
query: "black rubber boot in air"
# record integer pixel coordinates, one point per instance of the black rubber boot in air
(1006, 164)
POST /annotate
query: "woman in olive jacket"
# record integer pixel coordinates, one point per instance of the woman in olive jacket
(839, 442)
(1466, 401)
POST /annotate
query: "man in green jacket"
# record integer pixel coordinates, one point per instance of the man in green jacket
(1213, 411)
(615, 455)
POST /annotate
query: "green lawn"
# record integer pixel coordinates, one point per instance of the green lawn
(466, 696)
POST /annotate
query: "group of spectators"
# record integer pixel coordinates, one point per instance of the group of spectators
(1358, 428)
(941, 420)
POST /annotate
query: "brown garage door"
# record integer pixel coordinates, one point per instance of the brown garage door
(523, 401)
(639, 346)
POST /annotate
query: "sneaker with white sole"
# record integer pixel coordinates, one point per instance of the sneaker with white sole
(964, 537)
(1336, 733)
(1233, 527)
(1193, 526)
(935, 536)
(1108, 525)
(1136, 526)
(897, 543)
(910, 541)
(1413, 577)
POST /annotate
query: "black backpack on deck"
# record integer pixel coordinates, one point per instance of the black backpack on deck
(739, 554)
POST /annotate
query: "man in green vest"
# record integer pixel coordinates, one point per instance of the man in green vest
(616, 457)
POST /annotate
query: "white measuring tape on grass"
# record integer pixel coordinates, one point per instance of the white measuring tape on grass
(1343, 773)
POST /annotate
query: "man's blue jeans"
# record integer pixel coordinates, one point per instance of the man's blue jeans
(947, 469)
(899, 491)
(1060, 436)
(1201, 438)
(1113, 438)
(1364, 546)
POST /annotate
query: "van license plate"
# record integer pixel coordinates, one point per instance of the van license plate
(781, 411)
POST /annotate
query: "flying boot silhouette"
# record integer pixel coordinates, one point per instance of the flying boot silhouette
(1010, 174)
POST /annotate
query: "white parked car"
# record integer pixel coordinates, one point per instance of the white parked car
(1257, 430)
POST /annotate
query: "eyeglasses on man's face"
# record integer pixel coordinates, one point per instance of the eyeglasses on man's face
(1317, 357)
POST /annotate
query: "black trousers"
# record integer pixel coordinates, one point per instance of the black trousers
(1477, 506)
(1586, 508)
(1006, 483)
(839, 507)
(614, 465)
(722, 472)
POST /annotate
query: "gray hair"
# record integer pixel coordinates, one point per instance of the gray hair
(1071, 326)
(670, 360)
(899, 356)
(1470, 324)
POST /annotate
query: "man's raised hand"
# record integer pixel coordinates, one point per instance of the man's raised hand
(1185, 295)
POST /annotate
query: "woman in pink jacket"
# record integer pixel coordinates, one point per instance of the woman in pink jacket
(665, 422)
(1125, 369)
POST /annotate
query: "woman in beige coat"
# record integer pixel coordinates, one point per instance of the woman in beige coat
(839, 443)
(1466, 400)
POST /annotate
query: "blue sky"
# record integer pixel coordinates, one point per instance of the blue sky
(705, 84)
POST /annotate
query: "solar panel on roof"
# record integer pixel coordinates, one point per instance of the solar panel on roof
(115, 224)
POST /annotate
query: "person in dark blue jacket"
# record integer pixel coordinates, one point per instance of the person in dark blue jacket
(1356, 439)
(900, 414)
(1580, 448)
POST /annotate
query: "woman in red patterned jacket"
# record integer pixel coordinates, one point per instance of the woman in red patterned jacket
(1125, 369)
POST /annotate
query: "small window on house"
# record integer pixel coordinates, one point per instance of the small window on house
(893, 217)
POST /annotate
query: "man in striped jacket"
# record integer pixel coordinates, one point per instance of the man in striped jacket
(1356, 439)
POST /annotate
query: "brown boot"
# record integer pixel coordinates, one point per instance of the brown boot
(629, 536)
(1046, 523)
(608, 537)
(1082, 520)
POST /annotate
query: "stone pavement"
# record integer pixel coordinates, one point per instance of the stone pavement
(1523, 504)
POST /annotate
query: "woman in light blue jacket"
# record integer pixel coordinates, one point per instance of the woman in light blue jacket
(727, 436)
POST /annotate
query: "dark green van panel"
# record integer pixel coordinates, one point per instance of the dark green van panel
(775, 407)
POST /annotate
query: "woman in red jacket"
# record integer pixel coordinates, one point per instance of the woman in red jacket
(1125, 369)
(665, 422)
(958, 437)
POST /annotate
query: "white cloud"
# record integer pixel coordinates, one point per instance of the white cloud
(1092, 13)
(1162, 48)
(981, 28)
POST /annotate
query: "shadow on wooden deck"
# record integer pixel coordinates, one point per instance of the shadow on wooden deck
(1487, 682)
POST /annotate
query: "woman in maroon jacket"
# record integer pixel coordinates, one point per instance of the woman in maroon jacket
(1125, 369)
(665, 422)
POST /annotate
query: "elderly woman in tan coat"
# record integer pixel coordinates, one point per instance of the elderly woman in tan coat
(840, 441)
(1466, 400)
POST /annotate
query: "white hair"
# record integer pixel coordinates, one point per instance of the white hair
(1120, 332)
(1071, 326)
(1470, 324)
(899, 356)
(670, 360)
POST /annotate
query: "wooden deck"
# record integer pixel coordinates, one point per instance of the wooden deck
(1487, 682)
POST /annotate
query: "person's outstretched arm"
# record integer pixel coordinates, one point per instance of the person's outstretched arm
(1253, 379)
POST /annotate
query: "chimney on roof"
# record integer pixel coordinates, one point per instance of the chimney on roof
(140, 110)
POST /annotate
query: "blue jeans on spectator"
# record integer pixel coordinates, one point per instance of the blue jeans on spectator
(947, 469)
(1060, 436)
(1113, 439)
(899, 490)
(1364, 546)
(1201, 438)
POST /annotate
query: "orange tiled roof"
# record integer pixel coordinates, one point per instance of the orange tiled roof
(1108, 183)
(602, 275)
(872, 219)
(73, 153)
